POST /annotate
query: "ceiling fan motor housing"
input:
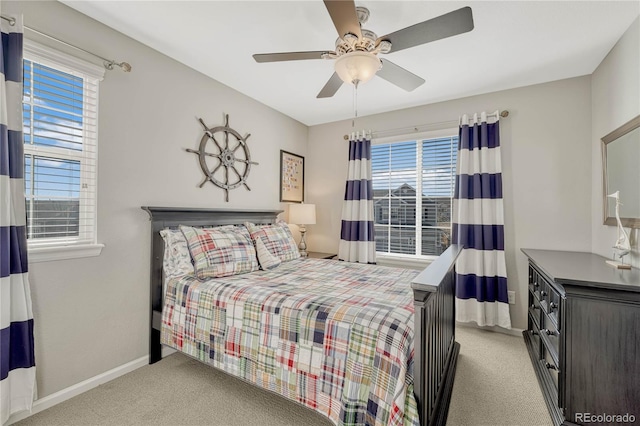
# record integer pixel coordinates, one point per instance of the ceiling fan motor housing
(366, 43)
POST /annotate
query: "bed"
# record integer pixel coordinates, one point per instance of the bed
(361, 344)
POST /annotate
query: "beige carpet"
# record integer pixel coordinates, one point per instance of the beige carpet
(495, 385)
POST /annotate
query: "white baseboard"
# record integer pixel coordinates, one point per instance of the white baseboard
(511, 332)
(75, 390)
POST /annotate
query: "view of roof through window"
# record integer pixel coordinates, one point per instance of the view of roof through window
(410, 177)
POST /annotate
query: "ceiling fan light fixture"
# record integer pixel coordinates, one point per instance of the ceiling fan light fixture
(357, 67)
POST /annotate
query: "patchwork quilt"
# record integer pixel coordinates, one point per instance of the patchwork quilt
(336, 337)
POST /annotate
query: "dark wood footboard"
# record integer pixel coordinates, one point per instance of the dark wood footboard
(436, 350)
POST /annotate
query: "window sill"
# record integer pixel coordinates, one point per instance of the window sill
(403, 261)
(48, 254)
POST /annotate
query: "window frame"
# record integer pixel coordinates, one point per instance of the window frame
(86, 244)
(404, 259)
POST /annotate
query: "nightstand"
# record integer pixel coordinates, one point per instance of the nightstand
(319, 255)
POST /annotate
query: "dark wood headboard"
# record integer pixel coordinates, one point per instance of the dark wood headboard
(172, 217)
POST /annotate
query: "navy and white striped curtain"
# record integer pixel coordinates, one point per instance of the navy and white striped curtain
(17, 364)
(357, 238)
(478, 224)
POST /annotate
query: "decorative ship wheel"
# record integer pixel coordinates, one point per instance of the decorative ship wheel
(231, 160)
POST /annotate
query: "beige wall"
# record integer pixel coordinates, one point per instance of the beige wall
(546, 161)
(615, 88)
(91, 315)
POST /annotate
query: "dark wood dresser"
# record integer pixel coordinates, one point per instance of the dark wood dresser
(583, 337)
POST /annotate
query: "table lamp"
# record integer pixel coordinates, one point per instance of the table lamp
(301, 215)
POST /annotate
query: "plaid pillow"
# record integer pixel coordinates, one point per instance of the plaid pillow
(220, 252)
(265, 258)
(177, 259)
(277, 239)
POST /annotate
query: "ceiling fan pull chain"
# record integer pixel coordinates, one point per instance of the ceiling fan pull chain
(356, 95)
(354, 104)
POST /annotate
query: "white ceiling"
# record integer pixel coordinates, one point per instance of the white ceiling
(513, 44)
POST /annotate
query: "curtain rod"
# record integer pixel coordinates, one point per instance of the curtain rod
(415, 129)
(107, 63)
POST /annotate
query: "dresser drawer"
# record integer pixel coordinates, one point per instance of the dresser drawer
(537, 283)
(548, 296)
(551, 366)
(551, 338)
(552, 305)
(536, 342)
(535, 312)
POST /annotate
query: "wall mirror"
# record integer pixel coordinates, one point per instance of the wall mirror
(621, 172)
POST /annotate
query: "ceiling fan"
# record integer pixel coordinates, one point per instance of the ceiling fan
(356, 49)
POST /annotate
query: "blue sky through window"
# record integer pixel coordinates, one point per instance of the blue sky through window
(394, 164)
(52, 117)
(52, 107)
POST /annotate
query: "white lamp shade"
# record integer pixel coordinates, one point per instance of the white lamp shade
(357, 66)
(302, 214)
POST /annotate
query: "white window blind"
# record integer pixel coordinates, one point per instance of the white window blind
(60, 124)
(413, 185)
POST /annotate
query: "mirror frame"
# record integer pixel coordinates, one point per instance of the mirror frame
(629, 126)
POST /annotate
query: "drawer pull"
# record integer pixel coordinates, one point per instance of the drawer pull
(543, 293)
(533, 306)
(549, 332)
(536, 285)
(552, 306)
(550, 366)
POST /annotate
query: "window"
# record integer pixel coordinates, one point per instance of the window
(60, 105)
(411, 177)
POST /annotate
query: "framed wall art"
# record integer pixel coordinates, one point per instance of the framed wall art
(291, 177)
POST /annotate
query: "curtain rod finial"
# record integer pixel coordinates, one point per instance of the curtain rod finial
(10, 19)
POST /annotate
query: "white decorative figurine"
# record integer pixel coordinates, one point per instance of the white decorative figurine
(622, 247)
